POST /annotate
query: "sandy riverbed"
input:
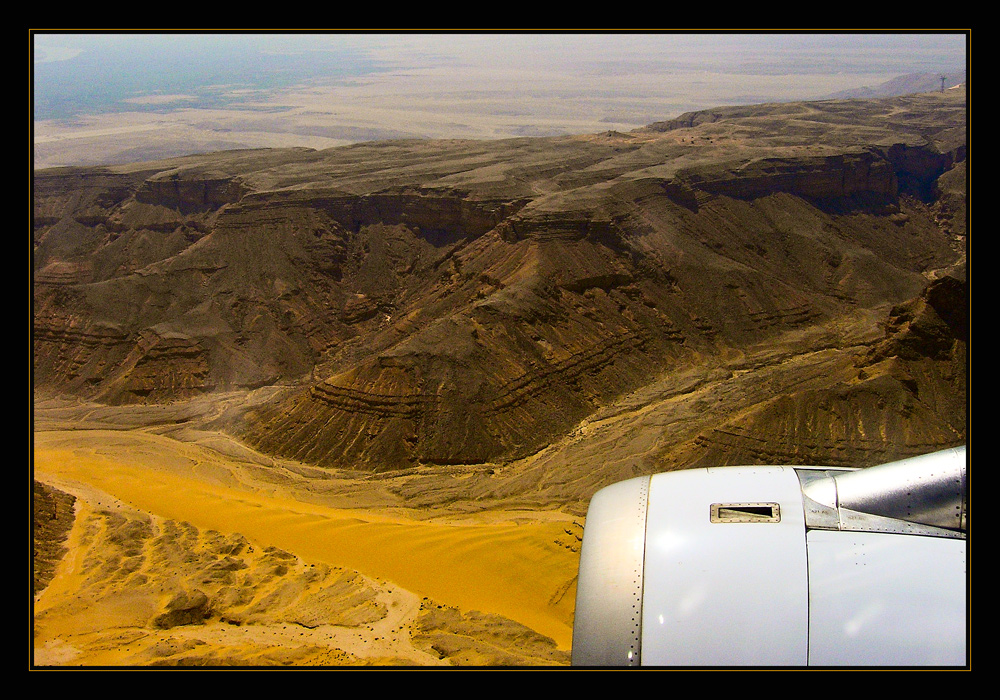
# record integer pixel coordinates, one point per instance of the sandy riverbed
(181, 554)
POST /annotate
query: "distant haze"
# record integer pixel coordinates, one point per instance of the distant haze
(116, 97)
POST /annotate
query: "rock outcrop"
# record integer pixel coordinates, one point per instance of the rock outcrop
(52, 516)
(451, 303)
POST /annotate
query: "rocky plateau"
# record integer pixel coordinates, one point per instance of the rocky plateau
(536, 317)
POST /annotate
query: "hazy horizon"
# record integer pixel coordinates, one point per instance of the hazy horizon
(119, 96)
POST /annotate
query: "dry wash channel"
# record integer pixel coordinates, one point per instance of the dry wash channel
(172, 560)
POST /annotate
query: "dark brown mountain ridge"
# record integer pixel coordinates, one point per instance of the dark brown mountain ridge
(761, 283)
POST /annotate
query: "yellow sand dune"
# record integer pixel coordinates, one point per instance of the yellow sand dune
(515, 565)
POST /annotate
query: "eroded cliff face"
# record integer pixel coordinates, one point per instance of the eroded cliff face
(468, 304)
(902, 395)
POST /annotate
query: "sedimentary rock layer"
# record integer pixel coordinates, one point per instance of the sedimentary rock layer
(467, 302)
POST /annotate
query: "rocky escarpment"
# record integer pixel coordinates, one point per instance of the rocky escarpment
(871, 175)
(261, 288)
(52, 516)
(911, 385)
(826, 177)
(456, 303)
(190, 193)
(580, 314)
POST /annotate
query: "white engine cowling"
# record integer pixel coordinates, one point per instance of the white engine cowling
(777, 566)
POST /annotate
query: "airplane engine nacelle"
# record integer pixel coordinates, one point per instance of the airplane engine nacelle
(777, 566)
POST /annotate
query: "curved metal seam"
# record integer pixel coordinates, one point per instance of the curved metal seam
(636, 659)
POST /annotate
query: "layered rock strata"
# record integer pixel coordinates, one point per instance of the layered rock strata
(467, 302)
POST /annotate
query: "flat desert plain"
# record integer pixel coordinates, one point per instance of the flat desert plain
(455, 87)
(197, 551)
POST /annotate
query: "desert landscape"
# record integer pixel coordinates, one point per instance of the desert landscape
(142, 100)
(346, 406)
(186, 557)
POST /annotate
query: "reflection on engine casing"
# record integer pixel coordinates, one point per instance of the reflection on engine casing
(777, 566)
